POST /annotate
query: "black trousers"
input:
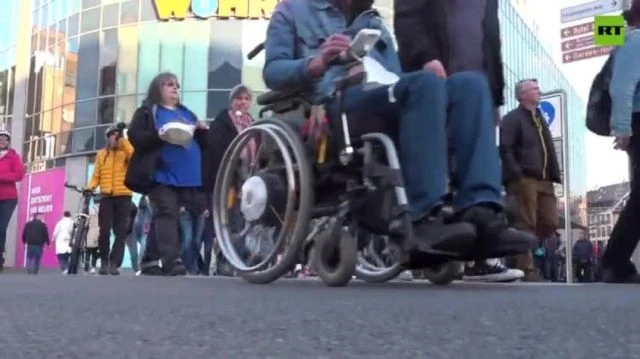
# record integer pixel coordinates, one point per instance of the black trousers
(113, 215)
(163, 240)
(626, 233)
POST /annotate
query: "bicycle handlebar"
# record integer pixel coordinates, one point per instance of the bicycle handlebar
(83, 191)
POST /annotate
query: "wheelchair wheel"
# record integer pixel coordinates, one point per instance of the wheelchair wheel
(442, 274)
(377, 261)
(334, 259)
(278, 197)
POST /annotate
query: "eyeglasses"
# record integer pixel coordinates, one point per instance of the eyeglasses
(171, 84)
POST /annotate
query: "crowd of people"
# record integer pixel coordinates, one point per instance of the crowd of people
(450, 87)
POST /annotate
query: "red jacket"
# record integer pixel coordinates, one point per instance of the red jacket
(11, 171)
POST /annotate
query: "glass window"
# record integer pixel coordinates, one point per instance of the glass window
(12, 82)
(148, 55)
(216, 102)
(90, 20)
(4, 76)
(130, 11)
(108, 58)
(86, 113)
(73, 25)
(128, 59)
(86, 4)
(68, 116)
(196, 54)
(101, 138)
(126, 108)
(71, 71)
(44, 17)
(197, 103)
(171, 47)
(148, 12)
(106, 110)
(62, 29)
(74, 6)
(225, 54)
(110, 15)
(56, 120)
(83, 140)
(88, 60)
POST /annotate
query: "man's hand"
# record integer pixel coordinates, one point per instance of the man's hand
(621, 143)
(330, 49)
(436, 67)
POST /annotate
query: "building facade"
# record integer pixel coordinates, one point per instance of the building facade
(70, 68)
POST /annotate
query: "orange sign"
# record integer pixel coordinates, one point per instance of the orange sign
(242, 9)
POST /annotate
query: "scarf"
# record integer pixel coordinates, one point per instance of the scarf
(240, 122)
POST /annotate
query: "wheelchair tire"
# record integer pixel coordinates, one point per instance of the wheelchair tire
(334, 265)
(305, 196)
(382, 275)
(443, 274)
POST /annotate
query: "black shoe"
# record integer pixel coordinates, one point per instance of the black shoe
(432, 235)
(496, 239)
(151, 268)
(104, 270)
(614, 277)
(175, 268)
(114, 271)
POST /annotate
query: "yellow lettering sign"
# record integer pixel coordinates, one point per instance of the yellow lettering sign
(243, 9)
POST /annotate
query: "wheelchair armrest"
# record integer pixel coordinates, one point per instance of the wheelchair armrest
(272, 96)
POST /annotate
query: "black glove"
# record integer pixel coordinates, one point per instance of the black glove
(121, 126)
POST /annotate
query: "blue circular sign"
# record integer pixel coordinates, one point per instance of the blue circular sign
(548, 111)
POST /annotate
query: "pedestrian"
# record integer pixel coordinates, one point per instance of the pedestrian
(35, 235)
(447, 37)
(193, 212)
(91, 253)
(583, 258)
(62, 233)
(530, 169)
(625, 125)
(109, 172)
(164, 131)
(132, 243)
(11, 172)
(140, 229)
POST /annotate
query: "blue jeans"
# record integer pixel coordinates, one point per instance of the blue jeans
(432, 111)
(34, 254)
(7, 206)
(191, 228)
(207, 240)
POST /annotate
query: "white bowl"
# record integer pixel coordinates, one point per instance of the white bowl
(177, 133)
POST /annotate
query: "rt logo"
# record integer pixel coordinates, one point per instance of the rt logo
(609, 30)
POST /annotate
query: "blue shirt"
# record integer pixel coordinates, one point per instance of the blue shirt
(180, 166)
(625, 84)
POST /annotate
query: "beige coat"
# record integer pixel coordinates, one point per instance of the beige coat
(94, 227)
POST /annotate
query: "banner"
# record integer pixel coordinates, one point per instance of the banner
(41, 192)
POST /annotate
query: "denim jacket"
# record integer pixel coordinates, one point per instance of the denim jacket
(625, 84)
(295, 33)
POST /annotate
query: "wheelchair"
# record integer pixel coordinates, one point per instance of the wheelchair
(326, 189)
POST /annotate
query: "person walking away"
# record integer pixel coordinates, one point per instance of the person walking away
(131, 242)
(35, 235)
(164, 170)
(625, 126)
(11, 172)
(530, 168)
(192, 217)
(552, 257)
(583, 258)
(91, 254)
(62, 233)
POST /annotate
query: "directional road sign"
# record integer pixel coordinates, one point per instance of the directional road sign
(552, 108)
(577, 43)
(577, 30)
(589, 9)
(585, 54)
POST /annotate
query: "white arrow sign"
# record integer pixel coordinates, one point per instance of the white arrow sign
(590, 9)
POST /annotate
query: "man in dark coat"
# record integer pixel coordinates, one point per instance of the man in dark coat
(35, 235)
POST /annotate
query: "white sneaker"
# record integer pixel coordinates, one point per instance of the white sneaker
(138, 272)
(490, 271)
(92, 271)
(406, 276)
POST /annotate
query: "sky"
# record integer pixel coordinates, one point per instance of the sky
(604, 164)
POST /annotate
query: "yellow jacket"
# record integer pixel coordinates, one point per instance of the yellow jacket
(110, 169)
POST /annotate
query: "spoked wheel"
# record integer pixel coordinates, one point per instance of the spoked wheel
(262, 201)
(377, 260)
(77, 245)
(442, 274)
(334, 256)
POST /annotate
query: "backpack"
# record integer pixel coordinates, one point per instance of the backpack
(599, 103)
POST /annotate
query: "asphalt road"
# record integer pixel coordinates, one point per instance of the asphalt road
(54, 316)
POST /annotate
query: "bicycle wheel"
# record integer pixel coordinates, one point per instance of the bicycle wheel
(77, 245)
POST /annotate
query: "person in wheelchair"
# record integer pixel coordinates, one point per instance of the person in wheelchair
(304, 36)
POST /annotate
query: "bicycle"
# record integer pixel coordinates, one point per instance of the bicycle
(80, 227)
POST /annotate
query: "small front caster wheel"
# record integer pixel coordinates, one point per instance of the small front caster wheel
(334, 259)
